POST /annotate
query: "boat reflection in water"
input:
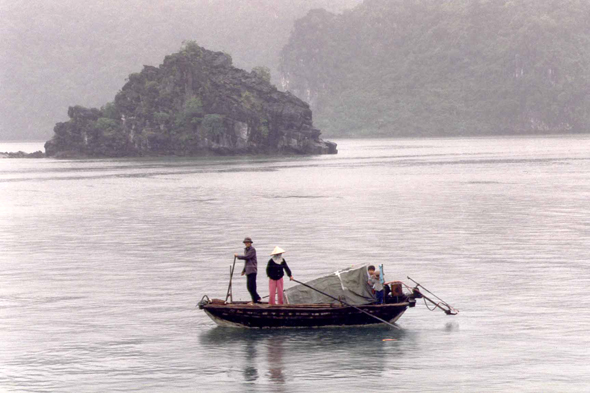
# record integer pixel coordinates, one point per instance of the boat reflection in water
(286, 356)
(274, 358)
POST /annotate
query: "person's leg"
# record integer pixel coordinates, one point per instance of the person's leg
(252, 283)
(280, 290)
(379, 297)
(272, 288)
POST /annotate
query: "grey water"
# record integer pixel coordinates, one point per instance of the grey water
(103, 261)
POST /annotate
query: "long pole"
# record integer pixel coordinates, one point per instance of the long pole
(450, 310)
(349, 305)
(229, 289)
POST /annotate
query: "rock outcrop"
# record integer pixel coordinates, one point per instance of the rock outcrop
(22, 154)
(194, 103)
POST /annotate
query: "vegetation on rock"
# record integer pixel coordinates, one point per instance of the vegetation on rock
(194, 103)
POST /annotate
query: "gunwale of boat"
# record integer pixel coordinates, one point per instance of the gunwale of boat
(216, 303)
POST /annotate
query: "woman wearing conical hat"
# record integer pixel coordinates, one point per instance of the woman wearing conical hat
(275, 272)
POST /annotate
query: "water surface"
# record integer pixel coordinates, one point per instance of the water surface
(103, 261)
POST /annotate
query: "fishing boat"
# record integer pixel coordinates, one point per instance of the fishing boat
(340, 299)
(263, 315)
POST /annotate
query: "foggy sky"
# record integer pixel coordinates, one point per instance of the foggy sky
(58, 53)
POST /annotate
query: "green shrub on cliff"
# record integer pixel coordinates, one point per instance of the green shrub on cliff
(107, 138)
(191, 46)
(104, 124)
(212, 126)
(191, 115)
(110, 111)
(263, 72)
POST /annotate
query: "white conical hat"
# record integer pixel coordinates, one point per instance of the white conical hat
(277, 250)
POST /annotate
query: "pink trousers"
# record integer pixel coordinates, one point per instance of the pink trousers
(275, 286)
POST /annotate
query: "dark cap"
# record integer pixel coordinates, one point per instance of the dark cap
(247, 240)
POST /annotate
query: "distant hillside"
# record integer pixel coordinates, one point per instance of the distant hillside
(194, 103)
(57, 53)
(436, 68)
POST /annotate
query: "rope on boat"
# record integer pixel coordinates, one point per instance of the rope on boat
(446, 307)
(349, 305)
(433, 308)
(203, 302)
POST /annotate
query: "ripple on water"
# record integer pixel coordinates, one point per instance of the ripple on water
(103, 261)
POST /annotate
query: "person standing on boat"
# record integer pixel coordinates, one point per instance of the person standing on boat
(250, 268)
(275, 272)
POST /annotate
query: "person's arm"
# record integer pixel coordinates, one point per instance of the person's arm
(284, 263)
(249, 254)
(241, 257)
(268, 268)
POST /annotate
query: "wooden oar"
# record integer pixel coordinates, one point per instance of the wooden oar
(349, 305)
(229, 289)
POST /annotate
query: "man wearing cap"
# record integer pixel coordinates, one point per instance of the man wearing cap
(250, 268)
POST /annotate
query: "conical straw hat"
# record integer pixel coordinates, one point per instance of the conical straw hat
(277, 250)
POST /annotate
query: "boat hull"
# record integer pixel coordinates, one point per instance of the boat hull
(263, 316)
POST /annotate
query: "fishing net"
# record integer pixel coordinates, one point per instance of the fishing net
(350, 285)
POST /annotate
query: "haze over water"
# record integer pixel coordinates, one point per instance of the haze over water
(103, 261)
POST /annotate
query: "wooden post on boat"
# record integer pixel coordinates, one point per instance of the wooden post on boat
(229, 288)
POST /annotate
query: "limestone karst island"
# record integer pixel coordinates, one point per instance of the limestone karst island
(195, 103)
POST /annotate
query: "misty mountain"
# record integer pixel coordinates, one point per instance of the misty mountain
(436, 68)
(58, 53)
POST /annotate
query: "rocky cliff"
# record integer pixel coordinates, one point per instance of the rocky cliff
(194, 103)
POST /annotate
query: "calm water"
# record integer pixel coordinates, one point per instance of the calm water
(103, 261)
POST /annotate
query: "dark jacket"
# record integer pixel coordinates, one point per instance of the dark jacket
(274, 271)
(251, 262)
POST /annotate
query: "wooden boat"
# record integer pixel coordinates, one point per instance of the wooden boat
(310, 310)
(263, 315)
